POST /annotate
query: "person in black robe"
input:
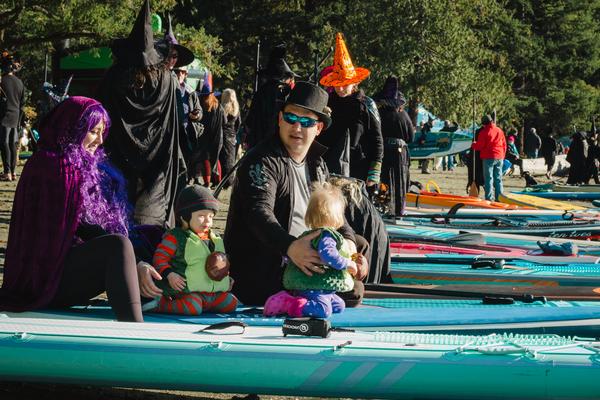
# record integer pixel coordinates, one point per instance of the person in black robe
(365, 220)
(178, 57)
(354, 140)
(474, 169)
(549, 150)
(593, 160)
(206, 159)
(577, 157)
(277, 82)
(397, 130)
(140, 94)
(230, 131)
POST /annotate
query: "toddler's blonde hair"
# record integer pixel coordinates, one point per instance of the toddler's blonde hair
(325, 207)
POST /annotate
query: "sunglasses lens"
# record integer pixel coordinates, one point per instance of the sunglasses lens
(305, 122)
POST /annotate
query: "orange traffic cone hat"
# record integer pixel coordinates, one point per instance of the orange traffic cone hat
(343, 73)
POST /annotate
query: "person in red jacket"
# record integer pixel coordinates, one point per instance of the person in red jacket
(491, 145)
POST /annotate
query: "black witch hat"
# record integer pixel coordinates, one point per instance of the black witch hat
(184, 55)
(390, 93)
(277, 68)
(137, 50)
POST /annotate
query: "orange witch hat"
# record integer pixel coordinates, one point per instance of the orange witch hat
(343, 73)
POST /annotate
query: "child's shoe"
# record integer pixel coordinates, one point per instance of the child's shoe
(284, 303)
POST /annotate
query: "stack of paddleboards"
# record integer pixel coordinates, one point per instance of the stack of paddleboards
(494, 263)
(571, 228)
(426, 199)
(564, 192)
(527, 200)
(377, 351)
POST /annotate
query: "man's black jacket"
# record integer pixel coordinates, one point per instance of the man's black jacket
(256, 235)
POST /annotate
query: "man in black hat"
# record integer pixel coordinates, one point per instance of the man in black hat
(277, 81)
(270, 197)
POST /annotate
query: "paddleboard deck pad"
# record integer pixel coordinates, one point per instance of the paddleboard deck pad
(260, 360)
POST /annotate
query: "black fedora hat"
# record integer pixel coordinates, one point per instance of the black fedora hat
(312, 98)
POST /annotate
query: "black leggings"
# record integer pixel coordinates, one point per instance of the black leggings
(106, 263)
(8, 147)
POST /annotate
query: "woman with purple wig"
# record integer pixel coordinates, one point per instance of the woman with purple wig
(68, 234)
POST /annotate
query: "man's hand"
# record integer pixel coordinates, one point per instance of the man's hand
(304, 256)
(362, 265)
(194, 115)
(352, 268)
(146, 276)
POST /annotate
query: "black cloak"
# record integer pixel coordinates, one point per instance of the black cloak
(144, 140)
(397, 130)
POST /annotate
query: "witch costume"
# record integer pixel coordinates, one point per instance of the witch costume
(397, 130)
(474, 168)
(188, 100)
(206, 156)
(140, 95)
(268, 101)
(67, 240)
(577, 157)
(354, 141)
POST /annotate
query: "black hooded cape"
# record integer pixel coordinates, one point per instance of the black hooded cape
(144, 141)
(397, 130)
(262, 120)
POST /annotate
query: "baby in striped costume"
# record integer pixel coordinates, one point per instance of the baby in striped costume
(191, 260)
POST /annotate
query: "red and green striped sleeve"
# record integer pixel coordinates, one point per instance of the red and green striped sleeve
(164, 253)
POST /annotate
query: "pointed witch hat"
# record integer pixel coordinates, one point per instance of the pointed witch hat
(390, 93)
(277, 68)
(344, 73)
(205, 86)
(184, 55)
(137, 50)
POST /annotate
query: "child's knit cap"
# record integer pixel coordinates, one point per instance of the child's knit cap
(194, 198)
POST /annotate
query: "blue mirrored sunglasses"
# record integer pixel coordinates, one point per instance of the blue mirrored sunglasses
(305, 122)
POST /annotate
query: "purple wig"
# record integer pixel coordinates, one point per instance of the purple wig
(103, 193)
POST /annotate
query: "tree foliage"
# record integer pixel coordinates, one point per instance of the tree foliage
(535, 62)
(34, 28)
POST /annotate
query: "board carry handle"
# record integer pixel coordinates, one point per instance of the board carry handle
(224, 325)
(435, 186)
(494, 300)
(493, 264)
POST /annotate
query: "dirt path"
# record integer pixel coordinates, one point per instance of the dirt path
(449, 182)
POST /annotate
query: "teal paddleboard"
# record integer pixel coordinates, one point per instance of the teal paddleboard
(260, 360)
